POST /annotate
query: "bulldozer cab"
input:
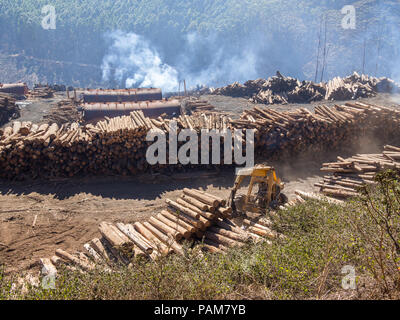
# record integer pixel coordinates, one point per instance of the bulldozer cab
(264, 190)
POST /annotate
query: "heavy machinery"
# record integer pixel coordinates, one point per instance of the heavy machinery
(258, 201)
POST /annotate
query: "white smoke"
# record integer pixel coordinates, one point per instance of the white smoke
(132, 59)
(134, 62)
(223, 66)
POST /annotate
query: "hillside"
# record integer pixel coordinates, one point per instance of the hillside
(211, 42)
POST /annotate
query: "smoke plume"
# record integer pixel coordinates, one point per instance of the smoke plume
(134, 63)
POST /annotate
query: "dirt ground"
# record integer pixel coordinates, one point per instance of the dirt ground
(37, 217)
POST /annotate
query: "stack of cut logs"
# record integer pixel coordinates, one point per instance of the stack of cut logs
(118, 145)
(193, 105)
(352, 88)
(307, 92)
(63, 112)
(284, 134)
(8, 109)
(196, 216)
(281, 90)
(347, 175)
(43, 92)
(114, 145)
(233, 90)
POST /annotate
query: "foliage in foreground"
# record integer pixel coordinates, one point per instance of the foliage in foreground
(320, 239)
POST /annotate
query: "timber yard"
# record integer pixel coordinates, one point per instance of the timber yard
(76, 190)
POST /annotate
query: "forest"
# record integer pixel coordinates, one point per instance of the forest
(118, 43)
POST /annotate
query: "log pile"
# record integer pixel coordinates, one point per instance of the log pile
(347, 175)
(117, 145)
(113, 146)
(64, 111)
(282, 90)
(196, 216)
(8, 109)
(306, 92)
(355, 86)
(197, 210)
(44, 92)
(233, 90)
(285, 134)
(195, 105)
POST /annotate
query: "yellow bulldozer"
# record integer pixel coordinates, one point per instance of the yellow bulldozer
(264, 191)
